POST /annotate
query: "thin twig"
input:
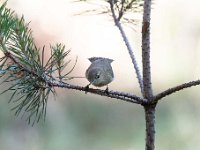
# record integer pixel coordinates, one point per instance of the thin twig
(175, 89)
(121, 11)
(130, 49)
(130, 4)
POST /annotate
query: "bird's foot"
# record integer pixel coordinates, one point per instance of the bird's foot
(106, 90)
(86, 88)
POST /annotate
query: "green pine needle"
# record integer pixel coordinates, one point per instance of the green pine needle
(24, 68)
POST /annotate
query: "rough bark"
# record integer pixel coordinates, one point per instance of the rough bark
(150, 126)
(147, 92)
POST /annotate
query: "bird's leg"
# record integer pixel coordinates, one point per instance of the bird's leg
(106, 90)
(86, 88)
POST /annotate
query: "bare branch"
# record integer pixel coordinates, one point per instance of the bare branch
(175, 89)
(130, 49)
(112, 94)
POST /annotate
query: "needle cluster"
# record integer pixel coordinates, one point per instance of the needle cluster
(23, 66)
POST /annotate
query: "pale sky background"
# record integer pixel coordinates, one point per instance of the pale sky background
(175, 38)
(175, 51)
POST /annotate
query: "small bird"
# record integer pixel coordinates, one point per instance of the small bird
(100, 72)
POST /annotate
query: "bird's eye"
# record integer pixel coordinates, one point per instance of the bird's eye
(97, 76)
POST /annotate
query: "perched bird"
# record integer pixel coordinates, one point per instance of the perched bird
(100, 72)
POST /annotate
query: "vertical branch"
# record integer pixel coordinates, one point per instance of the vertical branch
(150, 126)
(147, 93)
(130, 49)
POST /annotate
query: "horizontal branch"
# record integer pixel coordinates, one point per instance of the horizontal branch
(175, 89)
(55, 83)
(112, 94)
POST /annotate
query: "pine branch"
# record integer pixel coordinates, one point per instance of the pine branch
(112, 94)
(56, 83)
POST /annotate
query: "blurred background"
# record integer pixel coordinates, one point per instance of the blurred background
(77, 121)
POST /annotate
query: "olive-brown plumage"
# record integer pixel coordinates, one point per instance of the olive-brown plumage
(100, 72)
